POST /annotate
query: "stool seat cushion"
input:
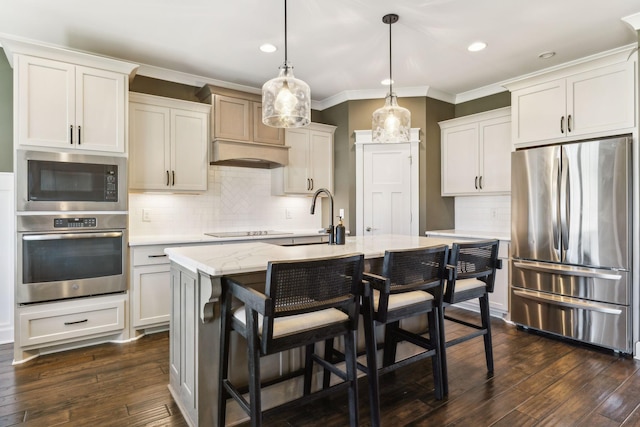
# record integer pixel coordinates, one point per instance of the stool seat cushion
(404, 299)
(467, 284)
(296, 323)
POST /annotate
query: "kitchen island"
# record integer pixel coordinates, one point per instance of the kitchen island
(196, 273)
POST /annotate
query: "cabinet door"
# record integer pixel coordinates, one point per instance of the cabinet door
(320, 160)
(602, 99)
(232, 118)
(296, 176)
(175, 331)
(149, 151)
(189, 351)
(460, 155)
(263, 133)
(539, 112)
(46, 102)
(189, 138)
(151, 295)
(100, 110)
(495, 155)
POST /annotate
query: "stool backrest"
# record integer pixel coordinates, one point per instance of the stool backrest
(409, 269)
(477, 260)
(296, 287)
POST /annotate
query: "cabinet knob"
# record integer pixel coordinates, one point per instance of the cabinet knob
(562, 124)
(71, 134)
(476, 184)
(480, 182)
(569, 123)
(79, 135)
(167, 178)
(173, 177)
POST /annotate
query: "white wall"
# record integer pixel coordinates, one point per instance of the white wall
(7, 259)
(483, 213)
(236, 199)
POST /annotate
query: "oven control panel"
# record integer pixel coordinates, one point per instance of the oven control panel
(74, 222)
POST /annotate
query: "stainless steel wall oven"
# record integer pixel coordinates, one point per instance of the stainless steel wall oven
(70, 255)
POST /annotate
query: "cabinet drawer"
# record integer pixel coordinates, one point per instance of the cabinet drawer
(71, 320)
(149, 255)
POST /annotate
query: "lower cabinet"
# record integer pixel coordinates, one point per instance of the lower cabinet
(150, 287)
(67, 324)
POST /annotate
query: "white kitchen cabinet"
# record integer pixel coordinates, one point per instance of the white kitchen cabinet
(168, 148)
(69, 323)
(150, 298)
(476, 154)
(310, 161)
(583, 102)
(69, 106)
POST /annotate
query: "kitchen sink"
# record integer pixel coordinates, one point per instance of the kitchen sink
(247, 233)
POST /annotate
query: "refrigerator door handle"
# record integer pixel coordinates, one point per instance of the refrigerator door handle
(555, 208)
(564, 202)
(566, 302)
(568, 271)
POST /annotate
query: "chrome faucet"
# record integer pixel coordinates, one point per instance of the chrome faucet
(330, 230)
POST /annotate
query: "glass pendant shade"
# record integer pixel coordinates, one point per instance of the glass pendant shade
(286, 101)
(391, 123)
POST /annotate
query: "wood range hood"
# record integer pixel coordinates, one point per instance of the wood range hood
(236, 131)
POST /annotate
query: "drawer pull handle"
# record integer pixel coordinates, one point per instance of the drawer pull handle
(157, 256)
(76, 322)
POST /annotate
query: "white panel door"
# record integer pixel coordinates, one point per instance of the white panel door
(387, 189)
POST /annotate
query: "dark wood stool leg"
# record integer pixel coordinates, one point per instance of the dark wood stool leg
(352, 376)
(390, 343)
(436, 360)
(308, 368)
(486, 324)
(372, 361)
(253, 357)
(328, 355)
(224, 358)
(443, 353)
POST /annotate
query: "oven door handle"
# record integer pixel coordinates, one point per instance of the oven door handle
(67, 236)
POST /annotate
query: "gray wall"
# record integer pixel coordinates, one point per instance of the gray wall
(6, 114)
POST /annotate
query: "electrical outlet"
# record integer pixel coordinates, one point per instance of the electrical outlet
(288, 214)
(341, 214)
(494, 213)
(146, 215)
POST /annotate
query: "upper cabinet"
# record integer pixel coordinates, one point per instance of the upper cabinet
(67, 99)
(168, 144)
(310, 161)
(241, 120)
(592, 99)
(476, 154)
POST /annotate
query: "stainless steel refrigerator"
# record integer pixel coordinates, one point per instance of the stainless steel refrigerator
(571, 241)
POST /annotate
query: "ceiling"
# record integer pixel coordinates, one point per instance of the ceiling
(339, 47)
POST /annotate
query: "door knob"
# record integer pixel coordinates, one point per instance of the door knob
(368, 229)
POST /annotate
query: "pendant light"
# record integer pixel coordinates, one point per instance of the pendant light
(286, 101)
(391, 123)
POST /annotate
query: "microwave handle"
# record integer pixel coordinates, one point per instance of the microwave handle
(67, 236)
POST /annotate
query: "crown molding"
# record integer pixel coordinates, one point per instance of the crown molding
(633, 21)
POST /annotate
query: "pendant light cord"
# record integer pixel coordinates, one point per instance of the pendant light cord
(285, 34)
(390, 74)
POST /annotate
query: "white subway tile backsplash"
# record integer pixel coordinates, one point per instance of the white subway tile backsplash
(236, 199)
(483, 213)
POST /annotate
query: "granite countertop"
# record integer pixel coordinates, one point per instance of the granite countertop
(218, 260)
(176, 239)
(470, 234)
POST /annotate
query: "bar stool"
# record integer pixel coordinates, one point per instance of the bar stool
(411, 284)
(474, 271)
(304, 302)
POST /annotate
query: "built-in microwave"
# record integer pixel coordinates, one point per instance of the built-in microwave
(56, 181)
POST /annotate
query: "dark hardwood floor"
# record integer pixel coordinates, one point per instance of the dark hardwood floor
(537, 382)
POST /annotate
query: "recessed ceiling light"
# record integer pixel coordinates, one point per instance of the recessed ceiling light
(268, 48)
(386, 82)
(476, 46)
(547, 55)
